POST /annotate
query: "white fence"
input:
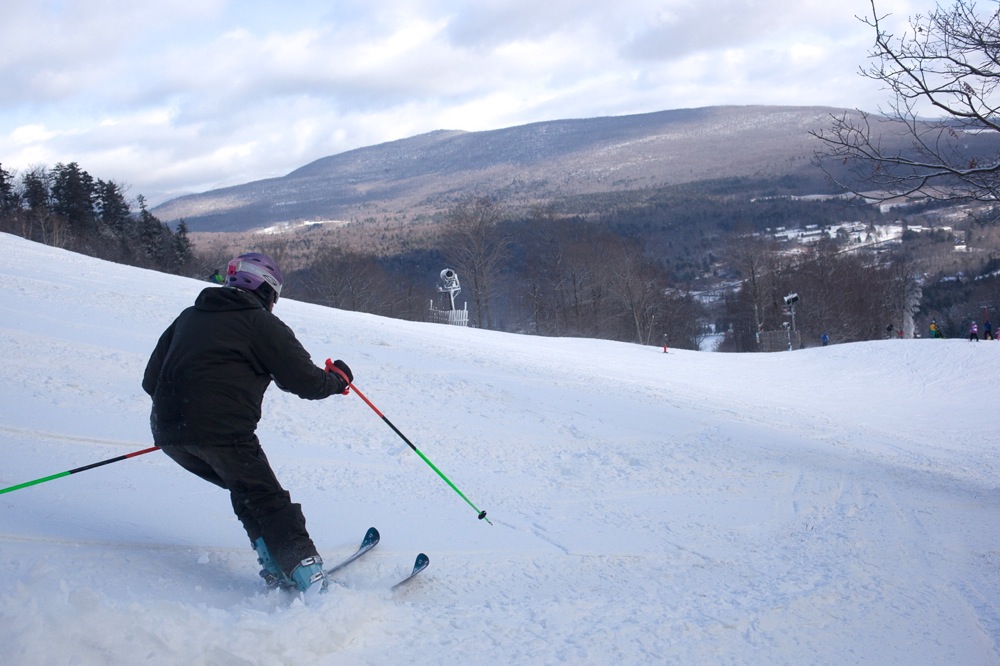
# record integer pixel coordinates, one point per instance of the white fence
(453, 317)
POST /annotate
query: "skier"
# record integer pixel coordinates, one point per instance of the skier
(988, 330)
(973, 332)
(207, 377)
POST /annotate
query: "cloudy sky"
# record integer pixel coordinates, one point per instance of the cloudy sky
(184, 96)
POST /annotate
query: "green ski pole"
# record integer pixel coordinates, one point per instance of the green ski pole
(78, 469)
(332, 368)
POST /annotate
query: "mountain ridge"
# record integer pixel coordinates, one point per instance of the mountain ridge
(530, 164)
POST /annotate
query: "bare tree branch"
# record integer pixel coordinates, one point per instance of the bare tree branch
(946, 64)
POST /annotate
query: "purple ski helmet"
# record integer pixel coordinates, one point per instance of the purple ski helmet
(249, 271)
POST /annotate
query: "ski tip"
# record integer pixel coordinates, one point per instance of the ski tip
(419, 565)
(371, 537)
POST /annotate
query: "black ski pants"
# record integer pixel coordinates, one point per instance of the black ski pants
(262, 505)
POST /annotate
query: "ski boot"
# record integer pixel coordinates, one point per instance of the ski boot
(272, 575)
(309, 575)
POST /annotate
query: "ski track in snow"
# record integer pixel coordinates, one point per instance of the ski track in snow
(827, 506)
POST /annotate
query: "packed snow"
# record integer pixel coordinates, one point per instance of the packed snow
(831, 505)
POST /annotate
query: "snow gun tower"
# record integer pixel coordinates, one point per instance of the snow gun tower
(787, 337)
(448, 313)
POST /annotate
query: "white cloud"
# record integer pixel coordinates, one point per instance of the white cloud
(30, 134)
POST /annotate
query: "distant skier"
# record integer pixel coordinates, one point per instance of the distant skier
(935, 331)
(207, 377)
(825, 339)
(973, 332)
(988, 330)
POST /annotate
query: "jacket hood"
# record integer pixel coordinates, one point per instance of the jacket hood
(221, 299)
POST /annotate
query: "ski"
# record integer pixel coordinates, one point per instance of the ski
(419, 565)
(369, 542)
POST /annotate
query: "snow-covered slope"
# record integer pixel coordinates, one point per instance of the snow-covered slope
(827, 506)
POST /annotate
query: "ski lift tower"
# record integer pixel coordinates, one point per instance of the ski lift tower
(449, 289)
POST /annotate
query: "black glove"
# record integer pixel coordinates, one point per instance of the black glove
(340, 369)
(340, 365)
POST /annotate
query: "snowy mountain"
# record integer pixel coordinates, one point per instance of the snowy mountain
(833, 505)
(527, 165)
(544, 163)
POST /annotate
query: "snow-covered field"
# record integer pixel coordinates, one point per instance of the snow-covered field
(834, 505)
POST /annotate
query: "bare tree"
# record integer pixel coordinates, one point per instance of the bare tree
(818, 280)
(945, 63)
(756, 259)
(637, 288)
(348, 281)
(582, 292)
(478, 247)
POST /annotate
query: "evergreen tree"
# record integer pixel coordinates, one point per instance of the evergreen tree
(73, 194)
(115, 220)
(183, 248)
(10, 201)
(10, 204)
(43, 224)
(36, 190)
(150, 249)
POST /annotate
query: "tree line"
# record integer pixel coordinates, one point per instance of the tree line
(546, 271)
(537, 274)
(66, 207)
(848, 295)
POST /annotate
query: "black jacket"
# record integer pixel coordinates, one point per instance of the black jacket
(210, 368)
